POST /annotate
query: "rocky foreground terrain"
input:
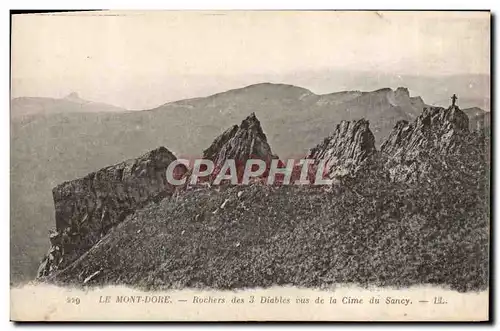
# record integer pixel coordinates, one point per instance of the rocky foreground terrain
(57, 140)
(414, 212)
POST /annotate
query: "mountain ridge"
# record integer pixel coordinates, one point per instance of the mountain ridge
(287, 87)
(59, 147)
(72, 103)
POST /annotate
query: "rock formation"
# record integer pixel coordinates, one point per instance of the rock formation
(436, 130)
(87, 208)
(214, 150)
(240, 143)
(346, 149)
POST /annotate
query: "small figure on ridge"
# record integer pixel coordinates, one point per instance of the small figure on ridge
(453, 100)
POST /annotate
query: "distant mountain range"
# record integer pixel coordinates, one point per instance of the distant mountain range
(473, 90)
(72, 103)
(54, 140)
(478, 118)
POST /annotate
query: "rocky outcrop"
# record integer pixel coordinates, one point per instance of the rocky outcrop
(218, 144)
(436, 131)
(240, 143)
(346, 150)
(87, 208)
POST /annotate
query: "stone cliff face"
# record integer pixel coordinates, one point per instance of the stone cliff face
(346, 149)
(87, 208)
(436, 130)
(240, 143)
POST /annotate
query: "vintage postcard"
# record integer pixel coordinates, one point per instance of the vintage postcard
(250, 166)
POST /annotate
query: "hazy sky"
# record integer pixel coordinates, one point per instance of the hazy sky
(140, 60)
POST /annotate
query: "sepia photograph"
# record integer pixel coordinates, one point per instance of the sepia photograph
(250, 165)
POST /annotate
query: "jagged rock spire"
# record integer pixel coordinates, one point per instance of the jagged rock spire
(436, 127)
(247, 141)
(346, 149)
(436, 131)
